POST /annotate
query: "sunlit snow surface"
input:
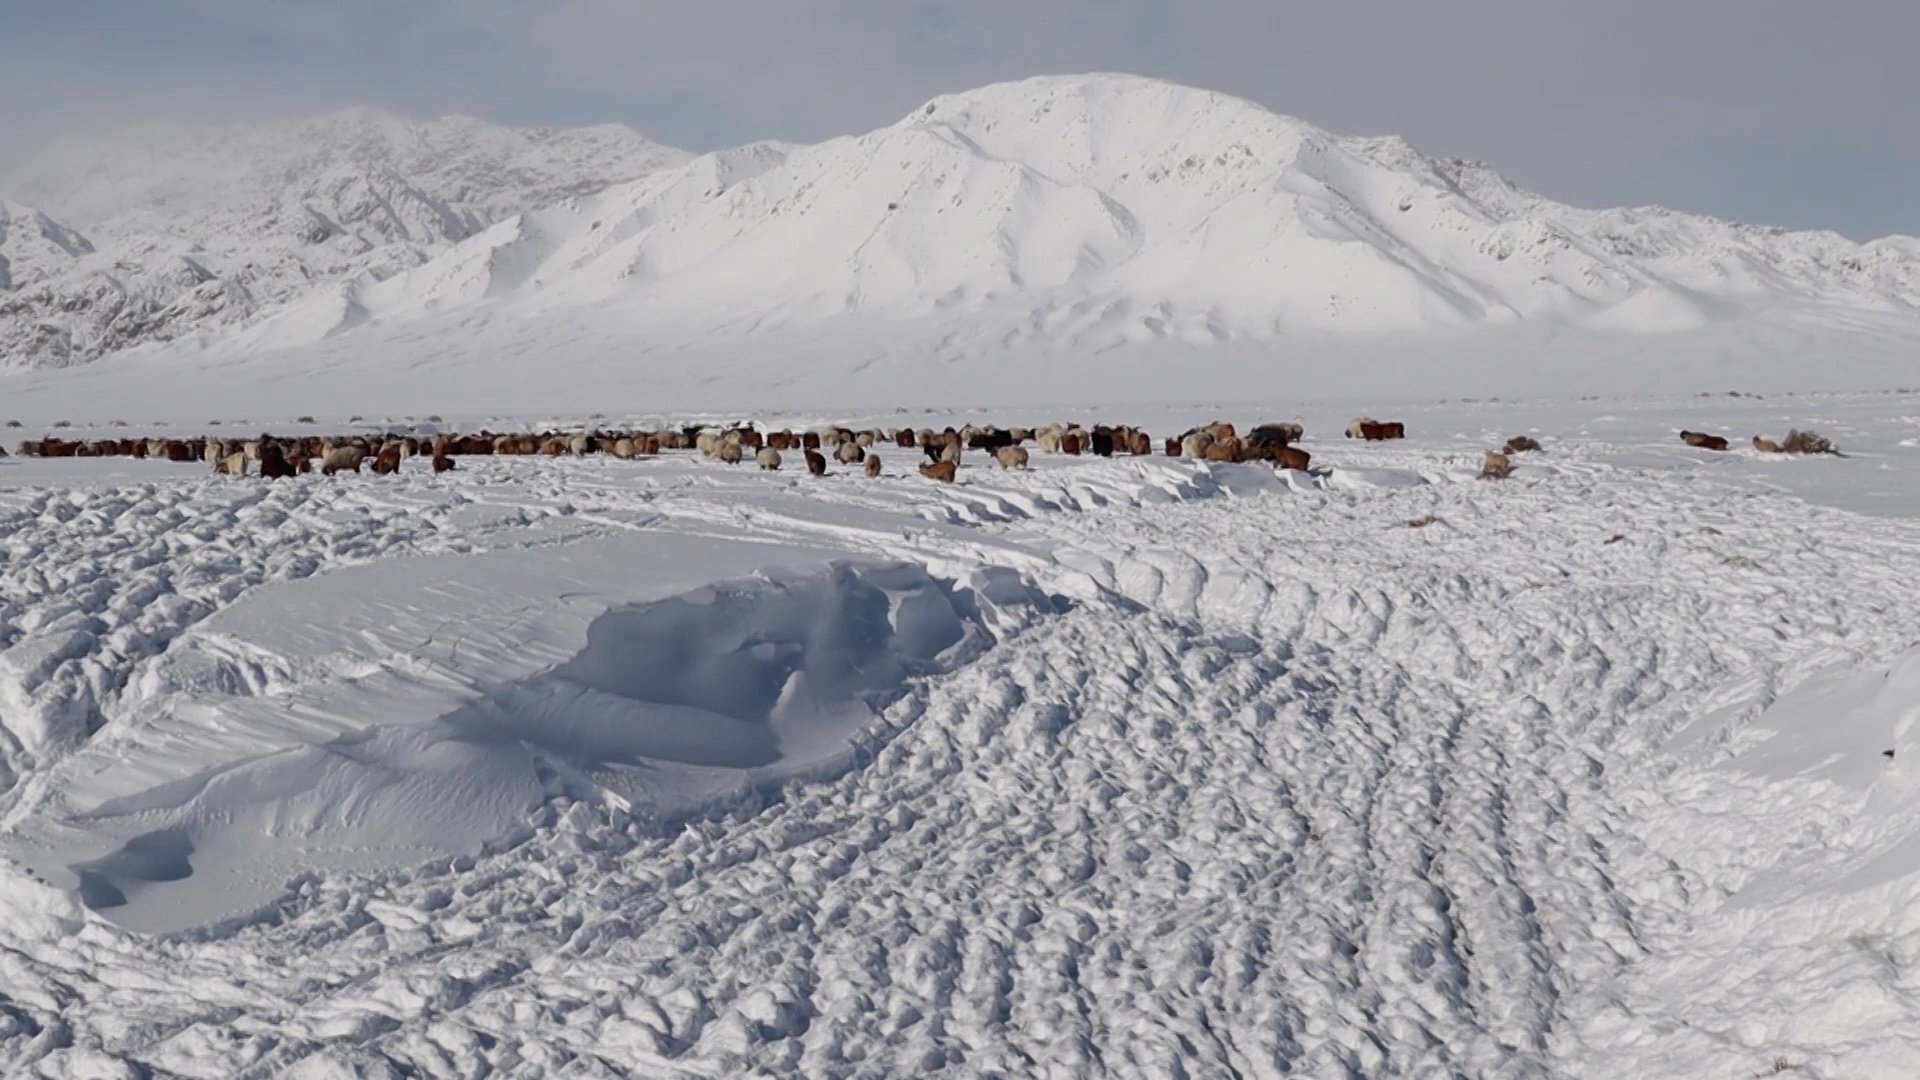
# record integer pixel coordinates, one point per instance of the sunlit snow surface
(599, 768)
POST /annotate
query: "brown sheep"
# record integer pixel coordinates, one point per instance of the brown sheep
(873, 466)
(1070, 443)
(1291, 457)
(1227, 449)
(1495, 466)
(816, 462)
(768, 457)
(1383, 431)
(1702, 440)
(810, 440)
(442, 463)
(1011, 457)
(728, 452)
(942, 471)
(782, 440)
(178, 451)
(387, 461)
(1173, 447)
(903, 438)
(1522, 444)
(1139, 443)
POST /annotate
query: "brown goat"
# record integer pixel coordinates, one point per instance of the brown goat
(942, 471)
(816, 462)
(1383, 431)
(273, 461)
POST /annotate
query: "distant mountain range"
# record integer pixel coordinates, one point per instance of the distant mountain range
(1079, 213)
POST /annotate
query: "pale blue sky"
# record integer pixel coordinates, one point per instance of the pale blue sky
(1773, 111)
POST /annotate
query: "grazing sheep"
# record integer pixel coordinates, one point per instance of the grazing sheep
(783, 440)
(1195, 444)
(750, 438)
(273, 461)
(387, 461)
(341, 458)
(810, 440)
(1521, 444)
(903, 438)
(1702, 440)
(1071, 443)
(866, 439)
(1495, 466)
(942, 471)
(728, 453)
(1291, 457)
(816, 462)
(442, 463)
(849, 452)
(873, 466)
(622, 448)
(1766, 446)
(1383, 431)
(768, 457)
(1011, 457)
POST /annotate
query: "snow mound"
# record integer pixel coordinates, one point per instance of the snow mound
(273, 755)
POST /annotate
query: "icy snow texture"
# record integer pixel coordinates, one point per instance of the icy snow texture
(1157, 767)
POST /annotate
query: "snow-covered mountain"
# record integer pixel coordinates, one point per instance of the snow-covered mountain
(155, 233)
(1100, 210)
(1058, 217)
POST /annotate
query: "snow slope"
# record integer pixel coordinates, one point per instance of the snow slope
(201, 228)
(1133, 767)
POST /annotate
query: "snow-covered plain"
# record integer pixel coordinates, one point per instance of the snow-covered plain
(1135, 767)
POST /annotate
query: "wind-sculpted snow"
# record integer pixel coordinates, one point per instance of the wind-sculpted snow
(1109, 768)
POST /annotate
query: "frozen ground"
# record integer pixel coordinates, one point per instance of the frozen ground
(557, 768)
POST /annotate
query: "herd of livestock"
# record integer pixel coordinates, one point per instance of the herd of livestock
(271, 457)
